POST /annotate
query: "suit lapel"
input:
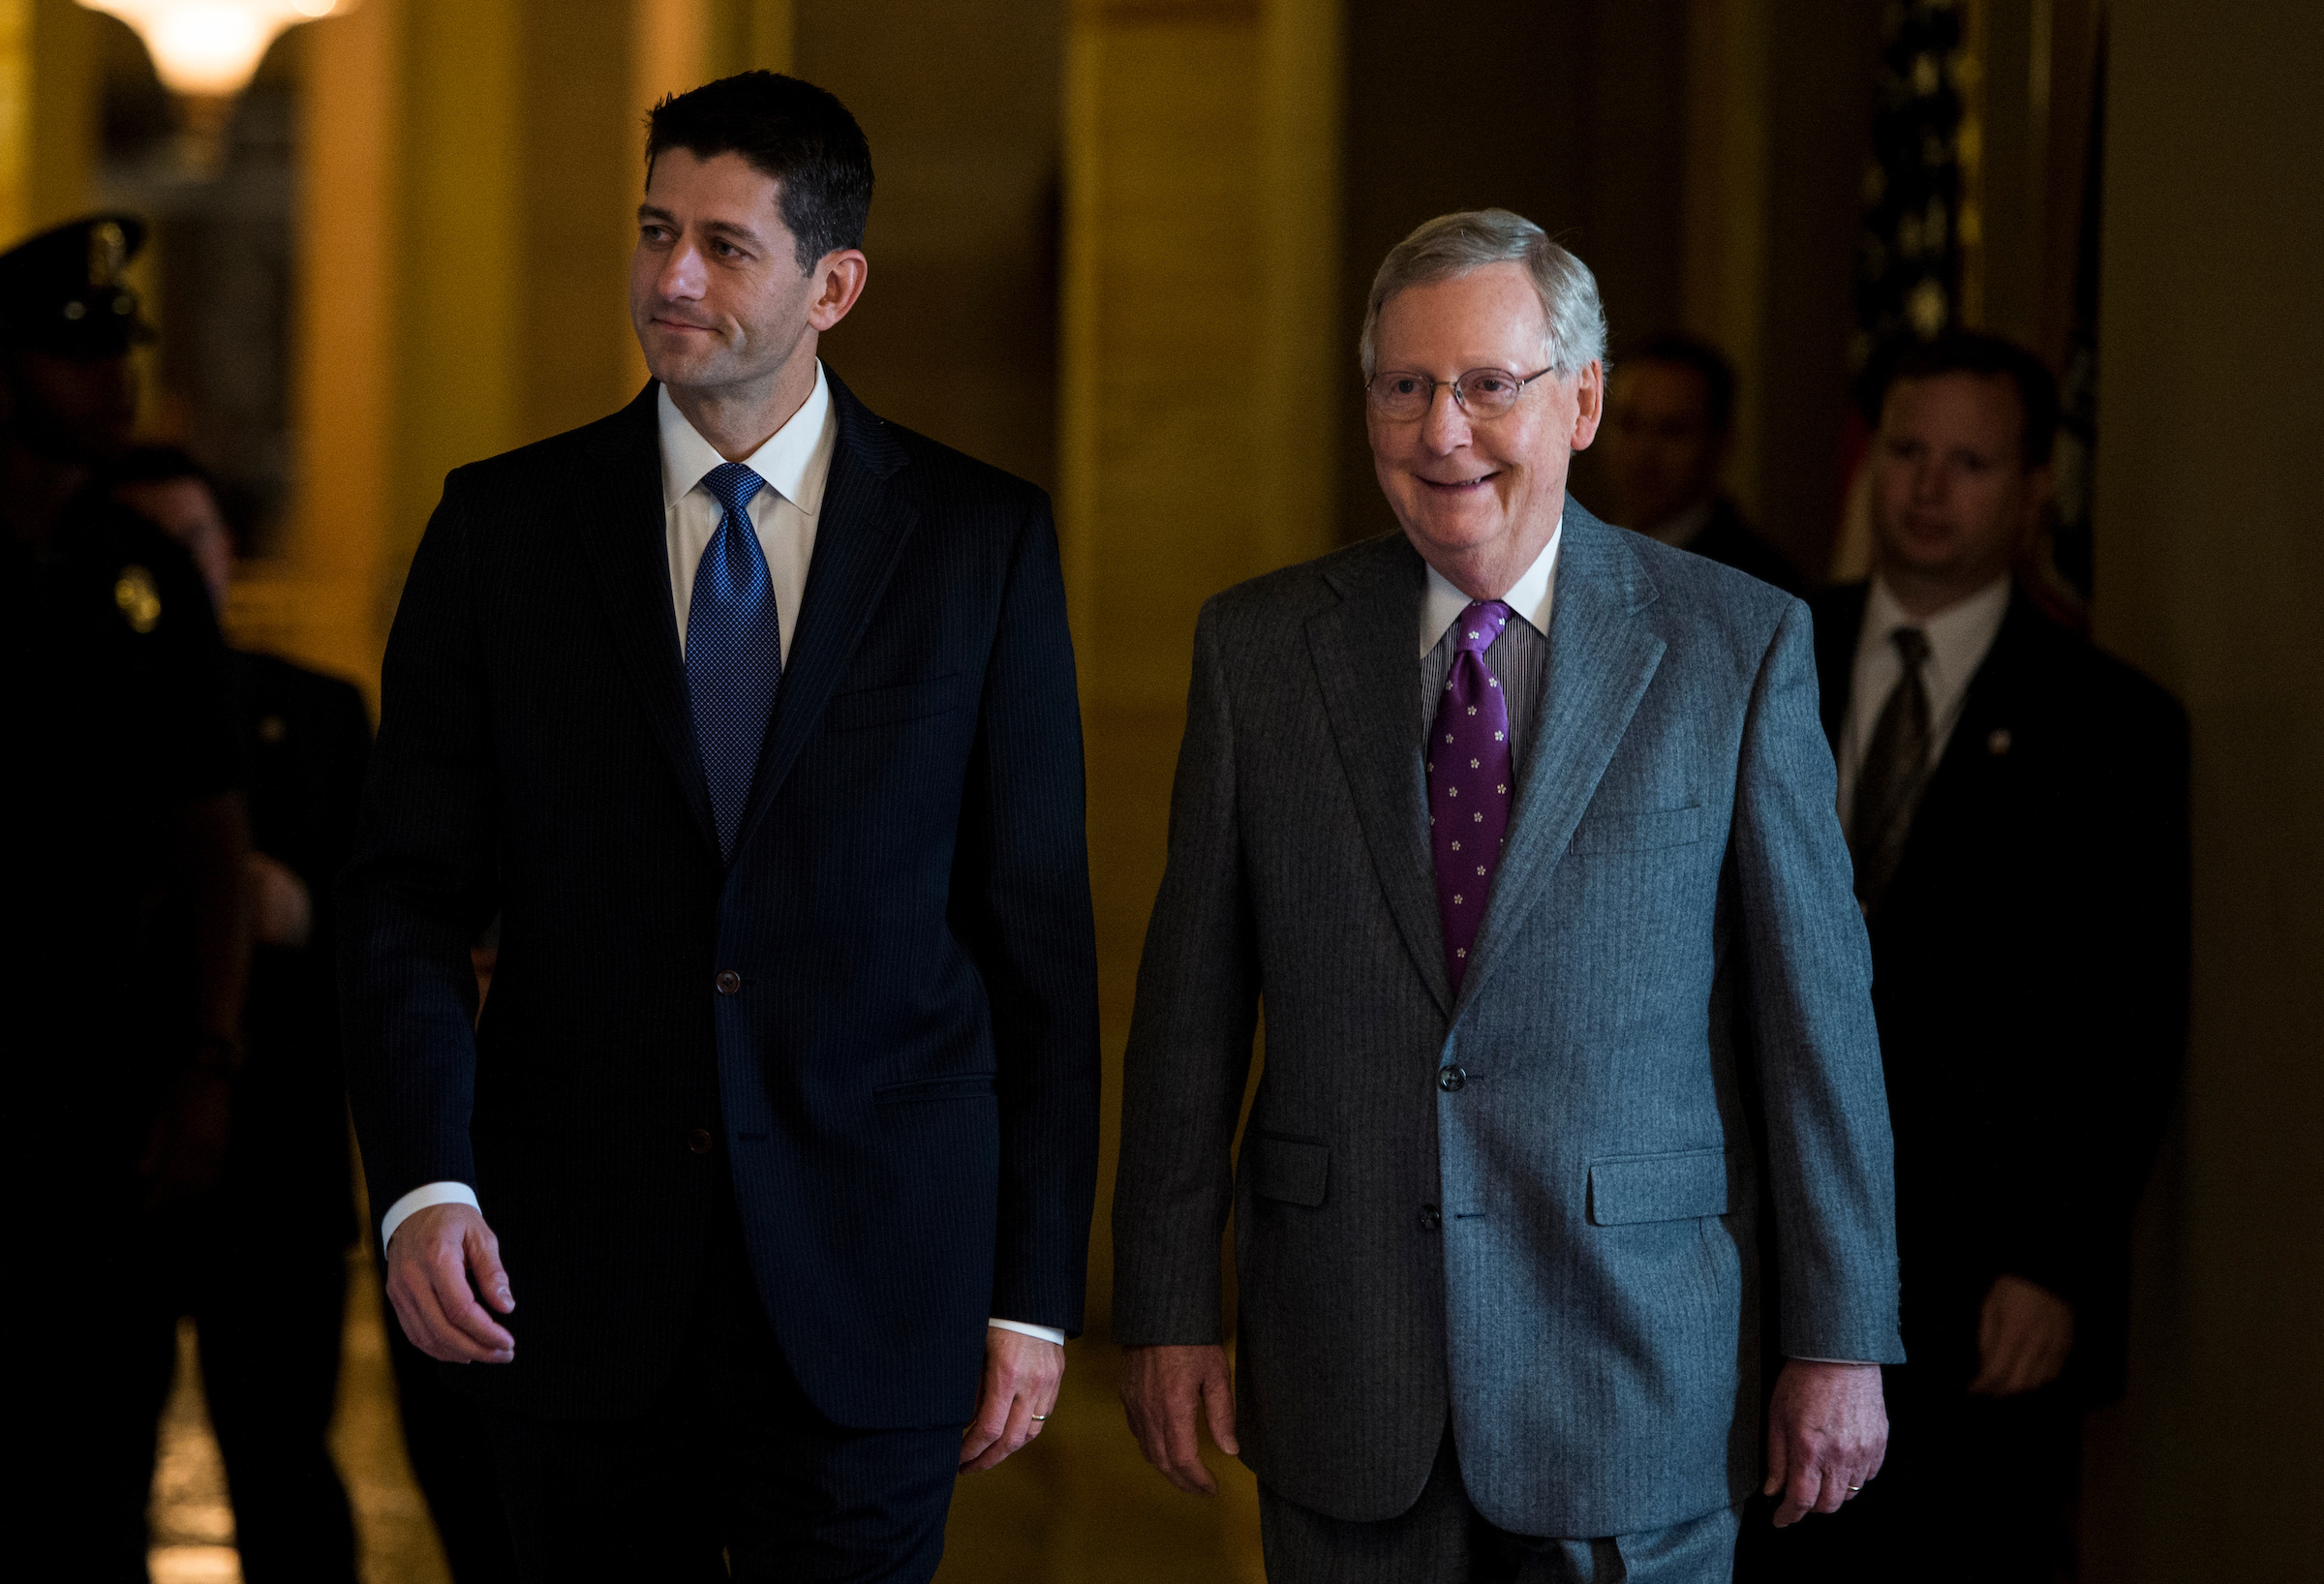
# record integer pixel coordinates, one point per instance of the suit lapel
(1364, 651)
(628, 547)
(859, 536)
(1601, 658)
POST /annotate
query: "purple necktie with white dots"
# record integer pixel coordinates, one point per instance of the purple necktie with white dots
(1468, 782)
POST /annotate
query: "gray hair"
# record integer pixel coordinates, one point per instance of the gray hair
(1452, 244)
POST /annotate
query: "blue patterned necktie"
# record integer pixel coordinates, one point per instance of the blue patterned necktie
(733, 650)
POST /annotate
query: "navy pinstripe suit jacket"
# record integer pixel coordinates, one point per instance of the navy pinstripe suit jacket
(1665, 1017)
(904, 1087)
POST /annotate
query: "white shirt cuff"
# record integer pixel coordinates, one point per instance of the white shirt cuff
(420, 1199)
(1047, 1333)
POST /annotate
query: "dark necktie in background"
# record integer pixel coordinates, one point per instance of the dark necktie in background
(733, 650)
(1468, 782)
(1894, 766)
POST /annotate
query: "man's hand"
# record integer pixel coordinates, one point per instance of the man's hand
(1827, 1434)
(2023, 1337)
(429, 1260)
(1161, 1387)
(1021, 1374)
(281, 912)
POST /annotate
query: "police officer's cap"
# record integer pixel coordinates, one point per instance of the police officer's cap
(61, 291)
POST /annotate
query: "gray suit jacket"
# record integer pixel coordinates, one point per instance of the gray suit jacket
(1532, 1206)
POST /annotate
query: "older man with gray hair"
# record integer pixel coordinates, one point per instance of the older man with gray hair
(1520, 826)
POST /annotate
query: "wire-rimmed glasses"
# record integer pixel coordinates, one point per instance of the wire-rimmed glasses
(1401, 395)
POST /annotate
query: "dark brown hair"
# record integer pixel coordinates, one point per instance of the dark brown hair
(786, 129)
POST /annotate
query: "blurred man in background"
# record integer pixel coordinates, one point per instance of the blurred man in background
(1670, 411)
(2016, 803)
(127, 959)
(260, 1265)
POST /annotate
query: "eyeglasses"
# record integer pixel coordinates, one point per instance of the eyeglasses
(1482, 393)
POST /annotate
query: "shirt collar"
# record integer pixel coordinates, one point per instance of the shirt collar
(1959, 636)
(795, 461)
(1528, 599)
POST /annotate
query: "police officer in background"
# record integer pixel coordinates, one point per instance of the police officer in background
(126, 852)
(270, 1345)
(259, 1260)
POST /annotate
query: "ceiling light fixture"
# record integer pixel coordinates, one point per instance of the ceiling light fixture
(207, 49)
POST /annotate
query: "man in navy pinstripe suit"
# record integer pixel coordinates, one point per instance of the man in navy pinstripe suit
(753, 718)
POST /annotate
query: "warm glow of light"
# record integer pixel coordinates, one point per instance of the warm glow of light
(210, 47)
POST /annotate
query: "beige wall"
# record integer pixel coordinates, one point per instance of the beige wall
(2210, 575)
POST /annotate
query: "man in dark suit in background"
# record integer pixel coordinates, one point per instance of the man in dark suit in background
(753, 716)
(1670, 412)
(271, 1376)
(259, 1260)
(2016, 802)
(127, 954)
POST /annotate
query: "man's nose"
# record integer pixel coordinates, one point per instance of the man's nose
(1927, 483)
(1446, 428)
(683, 275)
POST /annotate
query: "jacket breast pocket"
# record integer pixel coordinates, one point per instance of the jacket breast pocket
(1628, 832)
(863, 708)
(1680, 1186)
(1289, 1170)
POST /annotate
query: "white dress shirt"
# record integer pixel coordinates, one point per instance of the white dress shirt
(795, 461)
(1960, 636)
(1528, 599)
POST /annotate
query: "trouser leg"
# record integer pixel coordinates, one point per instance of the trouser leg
(1442, 1539)
(736, 1467)
(1429, 1543)
(449, 1446)
(91, 1415)
(270, 1346)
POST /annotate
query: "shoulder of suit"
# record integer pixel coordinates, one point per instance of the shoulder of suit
(549, 462)
(2090, 683)
(948, 475)
(1697, 590)
(1301, 590)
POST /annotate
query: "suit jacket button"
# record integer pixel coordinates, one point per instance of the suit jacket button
(1431, 1217)
(699, 1140)
(730, 983)
(1450, 1078)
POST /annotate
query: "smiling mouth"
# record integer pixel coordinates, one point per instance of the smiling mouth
(1478, 482)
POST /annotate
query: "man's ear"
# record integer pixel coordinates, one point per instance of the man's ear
(839, 276)
(1589, 403)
